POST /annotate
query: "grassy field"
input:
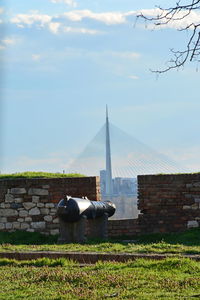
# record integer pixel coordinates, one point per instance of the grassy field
(140, 279)
(180, 243)
(38, 175)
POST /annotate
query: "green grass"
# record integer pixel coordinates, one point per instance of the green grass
(38, 175)
(180, 243)
(140, 279)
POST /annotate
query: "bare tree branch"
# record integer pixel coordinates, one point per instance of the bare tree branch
(174, 16)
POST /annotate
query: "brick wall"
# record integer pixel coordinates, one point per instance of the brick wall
(168, 203)
(128, 227)
(30, 204)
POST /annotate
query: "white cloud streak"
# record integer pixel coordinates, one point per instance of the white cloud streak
(43, 20)
(7, 42)
(36, 57)
(54, 27)
(71, 3)
(29, 19)
(80, 30)
(108, 18)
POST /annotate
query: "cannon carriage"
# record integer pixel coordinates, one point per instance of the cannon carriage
(73, 214)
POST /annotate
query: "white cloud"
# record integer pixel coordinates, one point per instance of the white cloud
(134, 77)
(42, 20)
(9, 41)
(54, 27)
(80, 30)
(30, 19)
(1, 10)
(36, 57)
(68, 2)
(109, 18)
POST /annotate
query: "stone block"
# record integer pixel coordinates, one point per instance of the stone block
(18, 200)
(2, 226)
(188, 196)
(35, 199)
(53, 210)
(16, 225)
(20, 220)
(197, 200)
(15, 205)
(195, 206)
(186, 207)
(189, 185)
(5, 205)
(44, 200)
(34, 211)
(9, 226)
(56, 221)
(23, 213)
(48, 218)
(24, 226)
(38, 192)
(29, 205)
(18, 191)
(52, 214)
(28, 219)
(9, 198)
(54, 231)
(40, 204)
(8, 212)
(44, 211)
(46, 186)
(3, 219)
(50, 205)
(38, 225)
(30, 230)
(192, 224)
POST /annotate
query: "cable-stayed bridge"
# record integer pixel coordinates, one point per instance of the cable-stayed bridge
(129, 156)
(120, 157)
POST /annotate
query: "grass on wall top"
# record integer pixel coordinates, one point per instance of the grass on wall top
(38, 175)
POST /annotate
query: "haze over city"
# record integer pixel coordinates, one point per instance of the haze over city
(63, 61)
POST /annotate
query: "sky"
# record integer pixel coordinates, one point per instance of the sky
(62, 61)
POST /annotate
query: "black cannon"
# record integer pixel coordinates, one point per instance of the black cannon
(72, 209)
(73, 214)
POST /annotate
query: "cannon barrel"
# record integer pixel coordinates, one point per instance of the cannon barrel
(72, 209)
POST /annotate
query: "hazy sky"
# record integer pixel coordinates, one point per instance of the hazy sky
(63, 60)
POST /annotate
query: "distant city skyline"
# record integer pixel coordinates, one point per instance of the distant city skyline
(63, 61)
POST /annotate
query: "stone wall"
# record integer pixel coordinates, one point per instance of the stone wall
(30, 204)
(168, 203)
